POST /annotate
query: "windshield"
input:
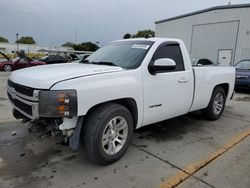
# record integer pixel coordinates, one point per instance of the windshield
(15, 59)
(243, 65)
(125, 54)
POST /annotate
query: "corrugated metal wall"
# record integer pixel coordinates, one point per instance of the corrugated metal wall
(245, 53)
(221, 36)
(205, 33)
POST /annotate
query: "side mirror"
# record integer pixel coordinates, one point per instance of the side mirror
(162, 65)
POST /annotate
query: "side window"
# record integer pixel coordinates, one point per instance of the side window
(52, 58)
(171, 51)
(60, 58)
(57, 57)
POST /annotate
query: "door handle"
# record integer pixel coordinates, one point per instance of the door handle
(183, 80)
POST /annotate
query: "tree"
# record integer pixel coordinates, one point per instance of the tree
(140, 34)
(26, 40)
(86, 46)
(69, 44)
(144, 34)
(2, 39)
(127, 36)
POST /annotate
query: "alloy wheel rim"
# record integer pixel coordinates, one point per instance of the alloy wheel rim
(7, 68)
(115, 135)
(218, 103)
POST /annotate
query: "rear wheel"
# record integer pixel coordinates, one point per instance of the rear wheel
(107, 133)
(216, 105)
(7, 68)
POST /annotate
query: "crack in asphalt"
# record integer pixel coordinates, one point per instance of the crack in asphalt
(190, 170)
(232, 117)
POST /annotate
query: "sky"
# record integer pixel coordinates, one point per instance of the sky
(54, 22)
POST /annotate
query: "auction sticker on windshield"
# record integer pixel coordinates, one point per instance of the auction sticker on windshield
(141, 46)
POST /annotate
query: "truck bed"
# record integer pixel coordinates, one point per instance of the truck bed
(205, 79)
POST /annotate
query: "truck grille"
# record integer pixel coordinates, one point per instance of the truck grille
(22, 106)
(21, 89)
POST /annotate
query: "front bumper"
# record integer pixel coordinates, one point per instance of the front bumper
(26, 105)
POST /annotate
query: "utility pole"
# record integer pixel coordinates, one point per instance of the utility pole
(17, 47)
(75, 33)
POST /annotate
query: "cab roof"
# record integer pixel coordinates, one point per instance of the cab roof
(153, 39)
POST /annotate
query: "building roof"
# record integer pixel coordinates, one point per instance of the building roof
(205, 10)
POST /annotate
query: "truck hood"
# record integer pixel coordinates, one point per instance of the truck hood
(43, 77)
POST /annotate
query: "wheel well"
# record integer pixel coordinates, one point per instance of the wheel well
(9, 65)
(225, 86)
(129, 103)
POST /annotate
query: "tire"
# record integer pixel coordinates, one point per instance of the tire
(7, 68)
(98, 134)
(216, 105)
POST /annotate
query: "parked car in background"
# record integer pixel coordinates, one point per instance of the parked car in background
(82, 58)
(200, 62)
(74, 57)
(243, 74)
(19, 63)
(53, 59)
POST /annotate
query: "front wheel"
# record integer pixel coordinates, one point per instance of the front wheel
(107, 133)
(216, 105)
(7, 68)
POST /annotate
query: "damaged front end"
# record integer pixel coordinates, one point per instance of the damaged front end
(68, 128)
(53, 111)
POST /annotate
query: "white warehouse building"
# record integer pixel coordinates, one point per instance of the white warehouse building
(221, 34)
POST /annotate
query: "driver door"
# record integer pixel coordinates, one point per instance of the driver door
(169, 93)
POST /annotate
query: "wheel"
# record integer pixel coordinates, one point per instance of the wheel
(7, 68)
(107, 133)
(216, 105)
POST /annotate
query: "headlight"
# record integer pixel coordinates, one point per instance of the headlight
(58, 103)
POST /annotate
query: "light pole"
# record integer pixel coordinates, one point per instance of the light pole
(17, 47)
(75, 33)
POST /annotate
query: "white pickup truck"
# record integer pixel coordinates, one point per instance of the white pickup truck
(123, 86)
